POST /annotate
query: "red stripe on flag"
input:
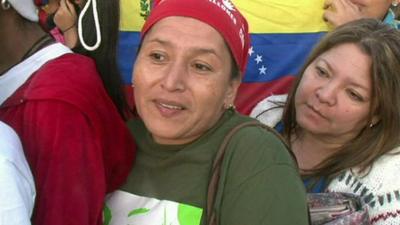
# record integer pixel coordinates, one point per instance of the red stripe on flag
(249, 94)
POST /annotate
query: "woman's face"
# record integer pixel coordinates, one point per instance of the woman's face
(334, 96)
(373, 8)
(182, 79)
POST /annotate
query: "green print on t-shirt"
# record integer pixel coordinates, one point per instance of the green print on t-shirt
(123, 208)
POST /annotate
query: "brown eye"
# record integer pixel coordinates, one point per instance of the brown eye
(202, 67)
(355, 96)
(157, 57)
(321, 72)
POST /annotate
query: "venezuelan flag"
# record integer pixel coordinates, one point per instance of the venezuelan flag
(282, 34)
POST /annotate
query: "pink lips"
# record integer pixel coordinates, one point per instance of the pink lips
(316, 111)
(168, 108)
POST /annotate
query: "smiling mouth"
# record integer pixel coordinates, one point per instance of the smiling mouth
(316, 111)
(173, 107)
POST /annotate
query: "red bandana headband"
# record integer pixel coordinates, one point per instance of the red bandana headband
(222, 15)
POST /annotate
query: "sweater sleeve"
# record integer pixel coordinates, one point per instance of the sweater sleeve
(262, 185)
(379, 189)
(65, 153)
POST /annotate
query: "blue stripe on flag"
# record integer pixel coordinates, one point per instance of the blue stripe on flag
(128, 45)
(275, 55)
(272, 55)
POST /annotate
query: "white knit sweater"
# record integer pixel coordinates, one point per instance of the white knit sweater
(380, 188)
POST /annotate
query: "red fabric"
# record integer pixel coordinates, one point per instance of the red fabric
(76, 143)
(39, 2)
(43, 19)
(250, 94)
(220, 14)
(128, 90)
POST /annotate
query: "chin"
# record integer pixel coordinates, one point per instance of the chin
(310, 126)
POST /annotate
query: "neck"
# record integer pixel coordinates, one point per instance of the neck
(310, 149)
(17, 40)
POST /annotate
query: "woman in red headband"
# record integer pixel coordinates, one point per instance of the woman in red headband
(186, 76)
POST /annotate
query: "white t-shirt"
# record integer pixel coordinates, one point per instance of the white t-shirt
(17, 189)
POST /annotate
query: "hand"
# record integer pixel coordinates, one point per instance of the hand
(338, 12)
(65, 18)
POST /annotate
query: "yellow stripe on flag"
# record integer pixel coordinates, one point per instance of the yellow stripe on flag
(264, 16)
(130, 15)
(283, 16)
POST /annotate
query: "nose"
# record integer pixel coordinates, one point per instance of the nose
(327, 94)
(174, 78)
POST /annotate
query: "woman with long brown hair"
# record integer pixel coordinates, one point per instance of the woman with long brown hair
(342, 117)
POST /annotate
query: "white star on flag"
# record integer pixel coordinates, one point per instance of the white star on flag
(251, 51)
(262, 70)
(258, 58)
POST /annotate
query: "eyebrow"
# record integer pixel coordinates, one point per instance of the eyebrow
(326, 63)
(160, 41)
(333, 71)
(197, 50)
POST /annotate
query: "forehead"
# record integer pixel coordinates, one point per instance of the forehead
(349, 54)
(348, 60)
(185, 30)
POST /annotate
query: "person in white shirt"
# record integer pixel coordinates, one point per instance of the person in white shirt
(17, 189)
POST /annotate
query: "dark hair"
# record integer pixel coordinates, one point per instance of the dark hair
(106, 55)
(382, 44)
(235, 72)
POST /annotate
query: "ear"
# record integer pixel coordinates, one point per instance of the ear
(232, 91)
(375, 120)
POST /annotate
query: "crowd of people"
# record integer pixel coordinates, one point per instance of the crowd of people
(73, 152)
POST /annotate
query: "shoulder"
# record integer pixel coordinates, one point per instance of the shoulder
(385, 171)
(69, 68)
(257, 142)
(72, 79)
(68, 74)
(382, 177)
(69, 64)
(258, 164)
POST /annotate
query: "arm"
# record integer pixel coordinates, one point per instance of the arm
(262, 185)
(66, 157)
(338, 12)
